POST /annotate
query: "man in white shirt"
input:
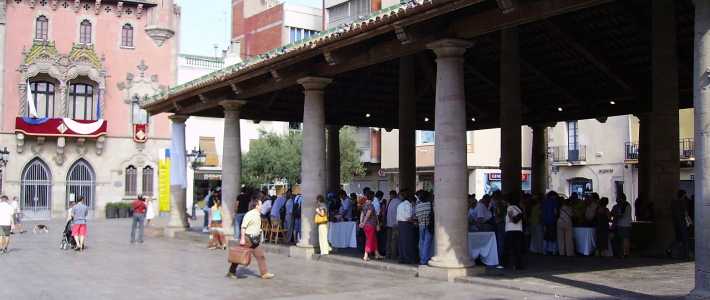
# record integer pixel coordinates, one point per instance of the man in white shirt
(392, 229)
(7, 221)
(407, 252)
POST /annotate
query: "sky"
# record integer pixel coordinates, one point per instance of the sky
(206, 23)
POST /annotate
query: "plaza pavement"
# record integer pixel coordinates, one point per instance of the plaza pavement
(164, 268)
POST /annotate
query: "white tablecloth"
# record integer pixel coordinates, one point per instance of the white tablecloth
(584, 240)
(483, 244)
(342, 234)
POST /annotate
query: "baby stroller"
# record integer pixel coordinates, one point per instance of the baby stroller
(68, 241)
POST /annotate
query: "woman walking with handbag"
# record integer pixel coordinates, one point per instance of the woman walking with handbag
(250, 238)
(321, 220)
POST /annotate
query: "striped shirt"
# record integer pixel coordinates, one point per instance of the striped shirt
(423, 211)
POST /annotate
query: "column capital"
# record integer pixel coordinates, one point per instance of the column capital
(178, 118)
(314, 83)
(232, 105)
(449, 47)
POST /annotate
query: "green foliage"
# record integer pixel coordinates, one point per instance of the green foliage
(273, 157)
(350, 164)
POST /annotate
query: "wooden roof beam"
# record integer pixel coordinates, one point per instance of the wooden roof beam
(588, 54)
(495, 20)
(549, 81)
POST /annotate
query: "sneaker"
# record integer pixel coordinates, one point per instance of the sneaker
(231, 276)
(267, 276)
(205, 230)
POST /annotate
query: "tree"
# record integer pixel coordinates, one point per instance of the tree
(273, 157)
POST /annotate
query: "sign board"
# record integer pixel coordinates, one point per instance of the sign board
(164, 185)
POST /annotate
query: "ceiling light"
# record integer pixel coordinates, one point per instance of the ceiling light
(473, 119)
(367, 115)
(426, 119)
(612, 102)
(560, 108)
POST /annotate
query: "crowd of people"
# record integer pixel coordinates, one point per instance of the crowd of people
(548, 223)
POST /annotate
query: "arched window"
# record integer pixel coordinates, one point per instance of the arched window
(81, 182)
(36, 193)
(43, 97)
(127, 36)
(138, 115)
(85, 32)
(131, 181)
(147, 188)
(81, 99)
(42, 28)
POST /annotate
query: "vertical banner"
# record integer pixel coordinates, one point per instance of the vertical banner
(164, 181)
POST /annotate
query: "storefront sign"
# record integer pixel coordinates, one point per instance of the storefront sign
(606, 171)
(164, 185)
(497, 177)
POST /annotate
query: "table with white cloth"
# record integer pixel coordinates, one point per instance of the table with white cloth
(483, 245)
(342, 234)
(585, 240)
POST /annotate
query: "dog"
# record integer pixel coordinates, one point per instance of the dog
(40, 228)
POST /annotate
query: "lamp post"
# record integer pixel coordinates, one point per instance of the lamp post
(4, 158)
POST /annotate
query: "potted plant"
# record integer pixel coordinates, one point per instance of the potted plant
(111, 210)
(123, 210)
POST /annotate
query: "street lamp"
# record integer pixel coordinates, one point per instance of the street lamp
(196, 157)
(4, 157)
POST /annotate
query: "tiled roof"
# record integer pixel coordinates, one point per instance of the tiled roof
(384, 16)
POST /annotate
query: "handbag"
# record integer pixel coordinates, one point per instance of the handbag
(321, 219)
(240, 255)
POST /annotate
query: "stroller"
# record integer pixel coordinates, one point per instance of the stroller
(68, 241)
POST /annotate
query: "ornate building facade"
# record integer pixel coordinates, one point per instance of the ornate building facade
(73, 75)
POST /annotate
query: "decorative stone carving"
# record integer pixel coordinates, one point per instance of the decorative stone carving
(44, 58)
(100, 145)
(81, 146)
(20, 139)
(159, 34)
(37, 147)
(139, 11)
(3, 12)
(59, 157)
(76, 6)
(140, 86)
(32, 3)
(54, 4)
(97, 7)
(119, 8)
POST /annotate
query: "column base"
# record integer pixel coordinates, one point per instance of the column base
(446, 274)
(298, 251)
(170, 231)
(698, 294)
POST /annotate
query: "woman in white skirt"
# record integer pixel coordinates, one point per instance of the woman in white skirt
(150, 210)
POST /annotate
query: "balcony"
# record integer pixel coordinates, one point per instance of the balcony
(686, 151)
(562, 155)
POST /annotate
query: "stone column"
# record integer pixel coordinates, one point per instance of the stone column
(312, 161)
(644, 157)
(407, 124)
(664, 167)
(510, 113)
(178, 176)
(231, 162)
(701, 103)
(333, 156)
(451, 180)
(539, 159)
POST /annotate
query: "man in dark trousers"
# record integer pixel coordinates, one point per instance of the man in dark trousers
(407, 253)
(139, 208)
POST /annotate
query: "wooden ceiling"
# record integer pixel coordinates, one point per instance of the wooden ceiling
(576, 55)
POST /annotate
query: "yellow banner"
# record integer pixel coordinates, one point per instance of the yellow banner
(164, 185)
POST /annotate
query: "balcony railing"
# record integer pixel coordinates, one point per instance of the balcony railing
(564, 154)
(686, 149)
